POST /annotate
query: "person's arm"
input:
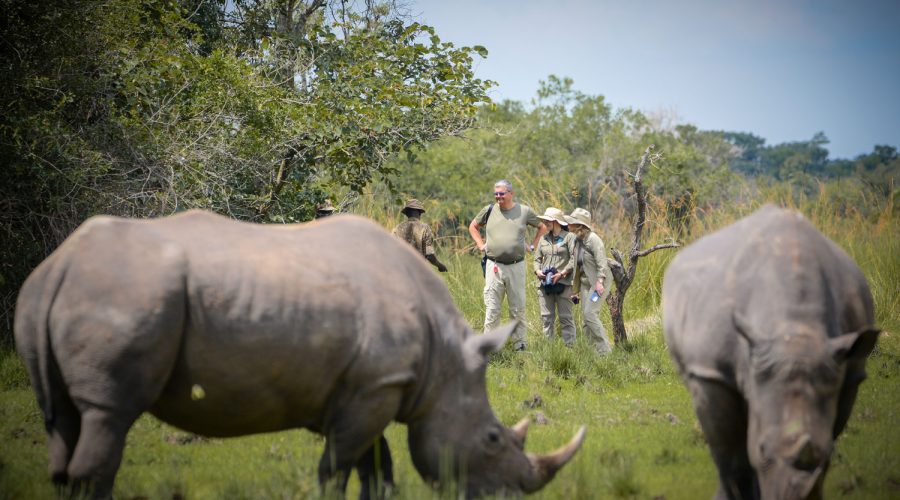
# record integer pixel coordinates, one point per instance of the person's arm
(600, 259)
(436, 263)
(475, 228)
(538, 261)
(570, 247)
(541, 231)
(428, 243)
(475, 232)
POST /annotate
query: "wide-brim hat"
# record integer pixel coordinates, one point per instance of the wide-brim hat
(325, 207)
(413, 204)
(580, 216)
(554, 214)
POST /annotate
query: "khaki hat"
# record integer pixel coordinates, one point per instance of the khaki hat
(553, 213)
(580, 216)
(325, 207)
(413, 204)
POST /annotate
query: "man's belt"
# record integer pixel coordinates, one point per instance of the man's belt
(508, 262)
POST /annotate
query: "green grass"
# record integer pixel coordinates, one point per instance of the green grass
(643, 440)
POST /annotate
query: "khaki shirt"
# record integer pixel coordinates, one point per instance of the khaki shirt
(505, 231)
(418, 234)
(558, 252)
(590, 261)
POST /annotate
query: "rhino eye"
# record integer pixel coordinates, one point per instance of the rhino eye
(493, 437)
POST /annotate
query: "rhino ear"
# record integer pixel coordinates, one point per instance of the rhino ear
(853, 345)
(478, 347)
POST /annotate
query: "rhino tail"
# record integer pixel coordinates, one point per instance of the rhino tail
(46, 289)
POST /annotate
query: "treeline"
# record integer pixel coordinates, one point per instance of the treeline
(571, 149)
(792, 160)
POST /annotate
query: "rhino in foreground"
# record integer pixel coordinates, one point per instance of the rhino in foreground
(769, 323)
(224, 328)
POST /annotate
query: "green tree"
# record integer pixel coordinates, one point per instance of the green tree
(255, 109)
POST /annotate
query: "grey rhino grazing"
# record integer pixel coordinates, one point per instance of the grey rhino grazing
(226, 328)
(769, 323)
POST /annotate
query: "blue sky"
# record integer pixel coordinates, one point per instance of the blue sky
(782, 70)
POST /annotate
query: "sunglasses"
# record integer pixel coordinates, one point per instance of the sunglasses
(500, 194)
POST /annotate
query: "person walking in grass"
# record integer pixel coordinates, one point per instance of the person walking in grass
(505, 223)
(554, 265)
(417, 233)
(592, 277)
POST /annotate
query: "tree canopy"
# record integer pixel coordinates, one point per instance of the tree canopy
(257, 109)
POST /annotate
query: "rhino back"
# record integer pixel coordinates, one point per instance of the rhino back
(286, 322)
(771, 267)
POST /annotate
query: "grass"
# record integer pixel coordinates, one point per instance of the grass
(643, 440)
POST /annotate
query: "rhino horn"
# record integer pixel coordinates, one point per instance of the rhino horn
(520, 430)
(544, 467)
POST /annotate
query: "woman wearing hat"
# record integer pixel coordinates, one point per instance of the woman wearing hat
(554, 264)
(592, 274)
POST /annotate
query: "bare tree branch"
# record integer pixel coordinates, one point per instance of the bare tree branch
(654, 248)
(623, 274)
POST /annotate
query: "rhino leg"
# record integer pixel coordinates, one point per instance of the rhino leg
(376, 471)
(62, 437)
(722, 414)
(352, 432)
(98, 453)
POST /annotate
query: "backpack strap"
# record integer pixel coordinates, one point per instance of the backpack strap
(487, 216)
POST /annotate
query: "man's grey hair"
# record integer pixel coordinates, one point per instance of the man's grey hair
(505, 183)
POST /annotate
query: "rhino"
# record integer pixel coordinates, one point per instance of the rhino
(226, 328)
(769, 324)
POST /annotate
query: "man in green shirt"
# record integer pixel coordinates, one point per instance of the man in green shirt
(417, 233)
(504, 245)
(592, 275)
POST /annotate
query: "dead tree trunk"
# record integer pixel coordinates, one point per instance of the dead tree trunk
(624, 275)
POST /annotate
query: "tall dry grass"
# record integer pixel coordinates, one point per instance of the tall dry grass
(864, 224)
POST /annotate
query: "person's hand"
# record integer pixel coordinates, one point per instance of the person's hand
(556, 277)
(599, 288)
(442, 268)
(482, 246)
(540, 274)
(530, 248)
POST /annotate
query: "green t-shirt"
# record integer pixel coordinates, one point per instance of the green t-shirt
(505, 231)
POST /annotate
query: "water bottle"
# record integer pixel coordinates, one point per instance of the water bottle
(548, 278)
(595, 296)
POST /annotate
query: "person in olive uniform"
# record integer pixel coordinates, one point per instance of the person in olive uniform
(417, 233)
(591, 274)
(504, 246)
(554, 265)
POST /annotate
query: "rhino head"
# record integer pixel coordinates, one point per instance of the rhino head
(460, 437)
(800, 390)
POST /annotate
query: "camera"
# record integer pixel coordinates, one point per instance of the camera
(548, 275)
